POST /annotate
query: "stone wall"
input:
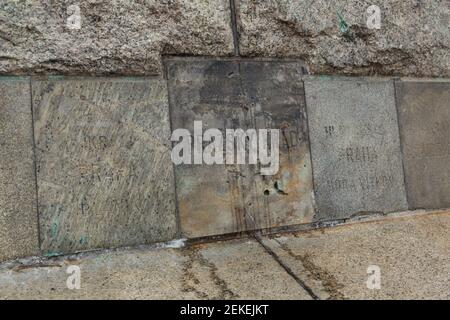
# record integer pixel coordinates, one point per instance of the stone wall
(114, 37)
(130, 37)
(333, 36)
(87, 108)
(86, 161)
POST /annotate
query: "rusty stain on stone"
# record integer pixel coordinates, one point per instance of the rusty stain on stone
(220, 199)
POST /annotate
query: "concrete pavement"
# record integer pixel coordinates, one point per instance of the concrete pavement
(410, 254)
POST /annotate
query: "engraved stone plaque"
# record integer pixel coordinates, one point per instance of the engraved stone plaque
(227, 198)
(18, 215)
(355, 147)
(105, 178)
(424, 115)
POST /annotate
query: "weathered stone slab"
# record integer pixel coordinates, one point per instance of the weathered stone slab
(355, 147)
(18, 212)
(226, 198)
(424, 115)
(104, 37)
(105, 178)
(339, 36)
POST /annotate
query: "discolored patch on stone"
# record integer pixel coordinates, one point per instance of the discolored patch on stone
(424, 115)
(355, 147)
(18, 215)
(276, 94)
(105, 178)
(227, 198)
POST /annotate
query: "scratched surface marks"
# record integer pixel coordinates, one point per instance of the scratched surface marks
(105, 178)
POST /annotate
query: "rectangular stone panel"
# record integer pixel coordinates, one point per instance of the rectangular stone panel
(18, 212)
(105, 178)
(424, 115)
(355, 147)
(228, 198)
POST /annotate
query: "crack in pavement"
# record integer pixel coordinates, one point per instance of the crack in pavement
(328, 281)
(193, 256)
(286, 268)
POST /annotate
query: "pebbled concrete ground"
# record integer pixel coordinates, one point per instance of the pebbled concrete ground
(412, 252)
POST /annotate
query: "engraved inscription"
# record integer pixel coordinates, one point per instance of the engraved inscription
(329, 130)
(367, 182)
(355, 147)
(359, 154)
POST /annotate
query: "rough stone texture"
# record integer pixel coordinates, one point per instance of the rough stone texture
(105, 178)
(355, 147)
(333, 37)
(218, 199)
(120, 36)
(18, 213)
(424, 115)
(228, 270)
(412, 253)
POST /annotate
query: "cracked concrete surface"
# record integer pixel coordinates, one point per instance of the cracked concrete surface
(237, 269)
(412, 251)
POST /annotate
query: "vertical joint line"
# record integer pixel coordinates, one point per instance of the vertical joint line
(400, 141)
(179, 230)
(35, 165)
(234, 28)
(315, 206)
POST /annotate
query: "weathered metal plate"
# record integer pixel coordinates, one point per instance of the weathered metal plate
(18, 212)
(105, 178)
(222, 198)
(424, 115)
(355, 147)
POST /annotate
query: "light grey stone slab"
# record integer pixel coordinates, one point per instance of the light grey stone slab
(424, 115)
(105, 178)
(18, 212)
(355, 147)
(231, 94)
